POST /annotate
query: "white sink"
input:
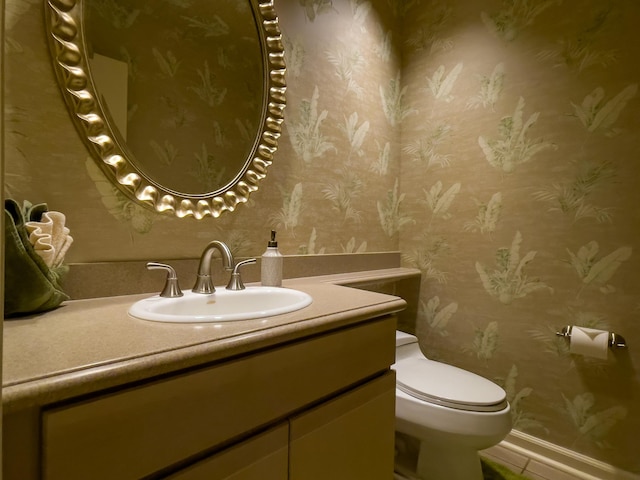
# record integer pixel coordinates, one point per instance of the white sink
(221, 306)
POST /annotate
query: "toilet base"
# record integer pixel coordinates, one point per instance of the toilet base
(446, 463)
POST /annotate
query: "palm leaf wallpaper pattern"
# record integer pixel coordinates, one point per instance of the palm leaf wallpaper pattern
(494, 143)
(539, 231)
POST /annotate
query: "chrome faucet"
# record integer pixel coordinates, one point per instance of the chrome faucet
(204, 284)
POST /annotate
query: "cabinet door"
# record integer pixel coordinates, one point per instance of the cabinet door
(161, 423)
(349, 437)
(263, 456)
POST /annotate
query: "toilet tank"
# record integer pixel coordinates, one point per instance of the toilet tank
(403, 338)
(407, 346)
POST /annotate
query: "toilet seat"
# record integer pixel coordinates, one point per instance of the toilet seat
(448, 386)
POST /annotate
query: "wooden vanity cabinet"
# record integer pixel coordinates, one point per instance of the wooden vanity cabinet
(263, 456)
(346, 438)
(350, 437)
(316, 408)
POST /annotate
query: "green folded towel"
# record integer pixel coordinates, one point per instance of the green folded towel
(30, 286)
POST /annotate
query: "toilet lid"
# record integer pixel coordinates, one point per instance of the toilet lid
(449, 386)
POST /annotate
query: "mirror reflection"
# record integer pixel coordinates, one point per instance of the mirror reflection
(180, 102)
(183, 83)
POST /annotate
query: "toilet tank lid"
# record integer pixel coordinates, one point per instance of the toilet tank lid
(403, 338)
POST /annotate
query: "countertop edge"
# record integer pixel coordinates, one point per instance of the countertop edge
(91, 379)
(58, 388)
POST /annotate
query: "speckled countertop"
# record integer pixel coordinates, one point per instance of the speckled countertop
(90, 345)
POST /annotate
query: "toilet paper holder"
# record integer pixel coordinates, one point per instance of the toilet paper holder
(615, 340)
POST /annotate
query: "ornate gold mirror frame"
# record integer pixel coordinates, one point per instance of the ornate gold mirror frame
(67, 41)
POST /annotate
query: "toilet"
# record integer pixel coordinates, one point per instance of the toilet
(452, 412)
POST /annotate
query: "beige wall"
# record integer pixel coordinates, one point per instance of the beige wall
(519, 165)
(336, 185)
(321, 194)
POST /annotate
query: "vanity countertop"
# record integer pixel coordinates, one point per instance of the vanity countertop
(90, 345)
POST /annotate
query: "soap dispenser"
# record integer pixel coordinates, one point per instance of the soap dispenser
(271, 266)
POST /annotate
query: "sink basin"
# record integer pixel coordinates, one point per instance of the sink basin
(221, 306)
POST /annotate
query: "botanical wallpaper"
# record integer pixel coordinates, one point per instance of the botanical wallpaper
(337, 151)
(519, 170)
(492, 142)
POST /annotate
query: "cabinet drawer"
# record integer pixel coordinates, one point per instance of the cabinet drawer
(261, 457)
(349, 437)
(140, 430)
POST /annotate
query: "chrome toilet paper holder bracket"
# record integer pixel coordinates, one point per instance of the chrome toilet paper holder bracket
(615, 340)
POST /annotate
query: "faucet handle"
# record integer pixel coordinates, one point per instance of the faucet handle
(235, 282)
(171, 287)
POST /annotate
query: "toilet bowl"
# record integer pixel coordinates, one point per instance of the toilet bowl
(452, 412)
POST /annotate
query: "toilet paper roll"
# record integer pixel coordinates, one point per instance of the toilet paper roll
(589, 342)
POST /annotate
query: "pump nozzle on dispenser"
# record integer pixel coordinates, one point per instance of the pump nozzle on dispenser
(272, 242)
(271, 266)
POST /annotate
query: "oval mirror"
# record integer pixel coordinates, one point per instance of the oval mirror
(180, 102)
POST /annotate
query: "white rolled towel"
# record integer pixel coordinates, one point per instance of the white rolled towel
(50, 238)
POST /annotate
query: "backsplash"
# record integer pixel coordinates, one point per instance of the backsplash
(491, 142)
